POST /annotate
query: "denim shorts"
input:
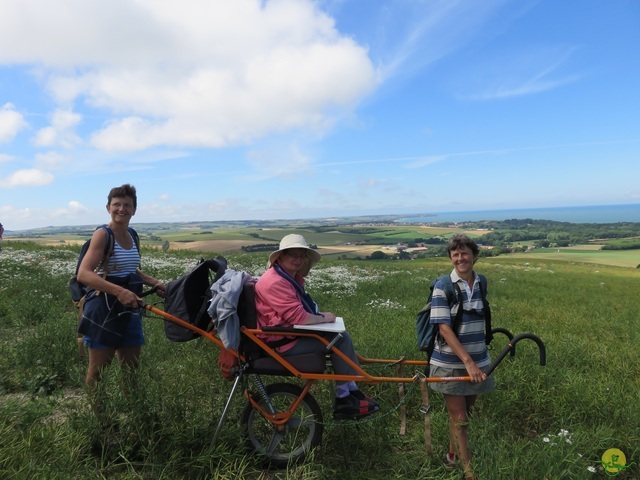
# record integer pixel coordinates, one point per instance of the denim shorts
(133, 337)
(459, 388)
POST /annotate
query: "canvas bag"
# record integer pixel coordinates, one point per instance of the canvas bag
(188, 299)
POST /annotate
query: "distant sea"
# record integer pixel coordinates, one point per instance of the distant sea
(592, 214)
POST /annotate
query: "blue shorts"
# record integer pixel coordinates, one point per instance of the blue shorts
(133, 337)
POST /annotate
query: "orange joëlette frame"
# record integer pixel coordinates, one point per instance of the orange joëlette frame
(362, 376)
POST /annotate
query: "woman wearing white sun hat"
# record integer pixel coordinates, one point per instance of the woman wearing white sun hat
(281, 301)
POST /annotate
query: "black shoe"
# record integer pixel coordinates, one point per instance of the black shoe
(359, 395)
(352, 407)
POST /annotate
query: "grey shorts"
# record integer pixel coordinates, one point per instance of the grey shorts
(459, 388)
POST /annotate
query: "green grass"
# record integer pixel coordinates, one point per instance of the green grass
(550, 422)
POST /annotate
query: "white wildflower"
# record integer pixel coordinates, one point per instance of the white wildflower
(592, 469)
(384, 304)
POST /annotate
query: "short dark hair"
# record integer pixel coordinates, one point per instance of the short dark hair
(461, 240)
(122, 191)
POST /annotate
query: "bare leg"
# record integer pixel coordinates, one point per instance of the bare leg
(130, 359)
(459, 408)
(129, 356)
(98, 359)
(81, 348)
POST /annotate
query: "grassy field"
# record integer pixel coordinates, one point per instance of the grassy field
(231, 239)
(589, 254)
(337, 242)
(552, 422)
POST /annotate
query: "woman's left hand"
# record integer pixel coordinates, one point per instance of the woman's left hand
(161, 289)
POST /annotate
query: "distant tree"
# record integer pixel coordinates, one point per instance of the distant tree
(404, 255)
(434, 241)
(378, 255)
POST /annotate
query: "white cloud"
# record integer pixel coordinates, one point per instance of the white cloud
(6, 158)
(279, 161)
(206, 74)
(521, 72)
(426, 160)
(51, 161)
(20, 218)
(27, 177)
(76, 207)
(61, 132)
(11, 122)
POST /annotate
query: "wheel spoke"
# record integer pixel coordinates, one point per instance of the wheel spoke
(297, 422)
(276, 438)
(289, 444)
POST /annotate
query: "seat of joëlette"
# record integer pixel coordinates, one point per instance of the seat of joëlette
(260, 361)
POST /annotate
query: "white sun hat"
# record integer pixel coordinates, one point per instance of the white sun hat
(296, 241)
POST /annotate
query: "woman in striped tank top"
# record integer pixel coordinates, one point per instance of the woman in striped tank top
(116, 288)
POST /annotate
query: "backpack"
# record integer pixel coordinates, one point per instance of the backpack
(428, 332)
(188, 299)
(79, 290)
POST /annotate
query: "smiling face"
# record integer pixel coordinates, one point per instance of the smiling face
(462, 260)
(292, 260)
(121, 209)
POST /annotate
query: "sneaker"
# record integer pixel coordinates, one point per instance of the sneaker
(450, 461)
(359, 395)
(352, 407)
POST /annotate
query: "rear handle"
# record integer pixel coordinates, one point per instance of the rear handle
(511, 347)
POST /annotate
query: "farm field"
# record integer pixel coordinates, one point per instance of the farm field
(185, 234)
(585, 254)
(333, 241)
(552, 422)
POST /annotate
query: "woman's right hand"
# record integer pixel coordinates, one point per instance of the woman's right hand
(128, 298)
(321, 317)
(329, 317)
(474, 372)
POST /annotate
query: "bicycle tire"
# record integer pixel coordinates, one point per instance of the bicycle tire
(301, 434)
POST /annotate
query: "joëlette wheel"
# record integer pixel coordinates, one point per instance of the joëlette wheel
(301, 434)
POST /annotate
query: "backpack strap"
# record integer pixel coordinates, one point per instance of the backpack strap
(454, 297)
(488, 335)
(136, 240)
(108, 248)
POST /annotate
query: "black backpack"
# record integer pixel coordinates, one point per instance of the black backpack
(188, 299)
(427, 332)
(79, 290)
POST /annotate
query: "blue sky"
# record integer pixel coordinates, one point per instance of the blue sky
(277, 109)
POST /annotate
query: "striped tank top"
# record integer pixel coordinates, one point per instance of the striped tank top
(123, 262)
